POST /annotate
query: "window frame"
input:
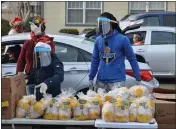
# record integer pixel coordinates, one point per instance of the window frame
(147, 17)
(79, 56)
(84, 14)
(160, 32)
(140, 31)
(145, 10)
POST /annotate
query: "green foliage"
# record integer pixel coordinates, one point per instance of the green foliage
(85, 31)
(69, 31)
(5, 27)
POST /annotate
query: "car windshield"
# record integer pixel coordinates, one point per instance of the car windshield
(132, 17)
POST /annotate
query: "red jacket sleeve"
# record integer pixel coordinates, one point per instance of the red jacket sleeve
(21, 60)
(52, 44)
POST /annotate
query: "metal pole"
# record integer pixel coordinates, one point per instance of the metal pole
(147, 6)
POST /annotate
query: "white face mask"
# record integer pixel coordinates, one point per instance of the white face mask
(36, 29)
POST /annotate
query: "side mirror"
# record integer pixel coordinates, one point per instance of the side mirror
(133, 25)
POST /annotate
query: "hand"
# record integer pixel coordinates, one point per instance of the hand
(138, 83)
(43, 88)
(91, 86)
(19, 73)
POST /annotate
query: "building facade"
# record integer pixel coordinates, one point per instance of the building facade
(81, 15)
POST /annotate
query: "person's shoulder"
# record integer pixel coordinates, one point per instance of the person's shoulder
(12, 32)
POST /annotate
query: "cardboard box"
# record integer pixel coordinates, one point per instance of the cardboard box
(165, 108)
(167, 126)
(13, 88)
(9, 103)
(13, 84)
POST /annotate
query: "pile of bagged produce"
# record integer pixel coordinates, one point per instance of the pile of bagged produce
(118, 105)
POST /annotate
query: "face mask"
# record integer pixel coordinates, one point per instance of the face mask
(36, 29)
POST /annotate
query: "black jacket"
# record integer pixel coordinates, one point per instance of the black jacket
(52, 75)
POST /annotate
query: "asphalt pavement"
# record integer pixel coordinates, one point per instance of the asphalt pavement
(167, 83)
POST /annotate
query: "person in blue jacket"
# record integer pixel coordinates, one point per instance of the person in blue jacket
(108, 59)
(47, 73)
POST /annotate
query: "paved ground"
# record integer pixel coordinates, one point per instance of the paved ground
(167, 83)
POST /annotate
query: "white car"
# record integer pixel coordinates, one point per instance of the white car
(76, 54)
(158, 49)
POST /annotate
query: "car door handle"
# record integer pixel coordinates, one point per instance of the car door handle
(140, 50)
(75, 69)
(9, 74)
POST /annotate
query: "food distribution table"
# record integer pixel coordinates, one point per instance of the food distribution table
(99, 123)
(47, 122)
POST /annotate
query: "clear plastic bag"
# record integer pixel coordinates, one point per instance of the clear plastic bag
(108, 112)
(52, 112)
(24, 105)
(121, 110)
(133, 111)
(38, 108)
(81, 109)
(95, 108)
(146, 110)
(66, 101)
(138, 91)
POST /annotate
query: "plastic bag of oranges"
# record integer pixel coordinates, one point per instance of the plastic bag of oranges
(38, 108)
(81, 109)
(108, 112)
(65, 102)
(52, 112)
(121, 110)
(146, 110)
(138, 91)
(24, 105)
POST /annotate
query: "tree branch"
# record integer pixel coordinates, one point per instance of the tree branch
(28, 12)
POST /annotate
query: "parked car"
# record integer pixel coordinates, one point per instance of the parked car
(150, 19)
(76, 53)
(158, 49)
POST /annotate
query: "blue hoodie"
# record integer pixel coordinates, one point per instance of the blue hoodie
(111, 65)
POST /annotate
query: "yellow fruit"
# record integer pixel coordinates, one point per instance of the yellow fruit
(108, 97)
(38, 107)
(94, 116)
(151, 104)
(121, 118)
(143, 118)
(139, 92)
(107, 116)
(132, 118)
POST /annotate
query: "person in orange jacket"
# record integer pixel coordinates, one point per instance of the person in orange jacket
(137, 39)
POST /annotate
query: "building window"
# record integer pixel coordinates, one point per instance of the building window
(141, 7)
(83, 12)
(38, 9)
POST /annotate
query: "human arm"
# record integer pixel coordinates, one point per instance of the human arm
(22, 58)
(129, 53)
(95, 62)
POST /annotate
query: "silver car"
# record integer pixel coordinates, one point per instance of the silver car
(76, 53)
(158, 49)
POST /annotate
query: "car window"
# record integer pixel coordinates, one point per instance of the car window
(169, 20)
(142, 34)
(10, 51)
(86, 55)
(161, 38)
(151, 21)
(66, 53)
